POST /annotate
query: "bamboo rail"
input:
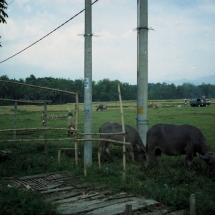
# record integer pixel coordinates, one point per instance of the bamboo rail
(101, 139)
(28, 140)
(71, 139)
(35, 86)
(35, 129)
(28, 101)
(49, 128)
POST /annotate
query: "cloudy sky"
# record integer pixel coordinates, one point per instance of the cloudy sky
(182, 45)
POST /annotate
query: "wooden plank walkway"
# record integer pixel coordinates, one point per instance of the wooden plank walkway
(73, 199)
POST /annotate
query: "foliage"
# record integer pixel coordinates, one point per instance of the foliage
(3, 7)
(3, 14)
(102, 91)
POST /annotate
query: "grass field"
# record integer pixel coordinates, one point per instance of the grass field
(171, 186)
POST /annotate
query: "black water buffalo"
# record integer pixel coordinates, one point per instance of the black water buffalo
(102, 107)
(176, 140)
(132, 136)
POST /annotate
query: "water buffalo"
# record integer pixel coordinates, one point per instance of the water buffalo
(132, 136)
(102, 107)
(176, 140)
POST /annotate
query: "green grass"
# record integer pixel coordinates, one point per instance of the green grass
(171, 186)
(15, 202)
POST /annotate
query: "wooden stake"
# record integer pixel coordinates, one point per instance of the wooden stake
(14, 120)
(192, 204)
(76, 111)
(99, 160)
(59, 155)
(45, 124)
(76, 154)
(123, 130)
(124, 162)
(85, 168)
(128, 210)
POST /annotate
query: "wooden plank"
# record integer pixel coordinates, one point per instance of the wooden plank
(48, 187)
(120, 207)
(57, 189)
(85, 206)
(78, 206)
(159, 212)
(121, 195)
(88, 196)
(43, 175)
(128, 210)
(192, 204)
(181, 212)
(101, 195)
(67, 195)
(76, 198)
(90, 205)
(64, 178)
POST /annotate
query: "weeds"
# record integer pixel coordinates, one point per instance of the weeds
(16, 202)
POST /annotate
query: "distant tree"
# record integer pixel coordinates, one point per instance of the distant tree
(4, 89)
(3, 15)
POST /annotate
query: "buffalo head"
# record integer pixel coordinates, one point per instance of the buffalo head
(209, 159)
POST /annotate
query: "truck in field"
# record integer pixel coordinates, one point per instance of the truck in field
(199, 102)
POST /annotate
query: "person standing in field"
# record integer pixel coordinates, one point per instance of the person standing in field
(70, 124)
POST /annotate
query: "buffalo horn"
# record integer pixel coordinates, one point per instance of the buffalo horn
(206, 155)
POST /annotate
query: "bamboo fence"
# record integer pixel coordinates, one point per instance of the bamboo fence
(45, 139)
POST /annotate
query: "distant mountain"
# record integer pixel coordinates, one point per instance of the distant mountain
(206, 79)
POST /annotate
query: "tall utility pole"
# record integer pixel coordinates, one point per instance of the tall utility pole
(88, 83)
(142, 68)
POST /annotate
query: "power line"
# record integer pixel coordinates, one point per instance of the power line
(48, 33)
(11, 2)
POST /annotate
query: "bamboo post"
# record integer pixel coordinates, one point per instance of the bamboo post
(99, 160)
(76, 111)
(14, 120)
(76, 153)
(45, 124)
(123, 130)
(85, 168)
(192, 204)
(76, 127)
(59, 155)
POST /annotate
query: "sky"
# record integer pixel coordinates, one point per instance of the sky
(181, 46)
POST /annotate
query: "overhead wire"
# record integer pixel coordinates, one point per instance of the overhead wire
(11, 2)
(47, 34)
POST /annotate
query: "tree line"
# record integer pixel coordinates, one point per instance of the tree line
(103, 90)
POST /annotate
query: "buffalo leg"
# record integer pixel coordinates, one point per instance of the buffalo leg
(189, 156)
(146, 160)
(131, 152)
(101, 147)
(158, 157)
(107, 148)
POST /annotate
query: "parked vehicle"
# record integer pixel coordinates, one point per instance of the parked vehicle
(199, 102)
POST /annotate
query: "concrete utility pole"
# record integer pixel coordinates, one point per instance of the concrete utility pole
(142, 68)
(88, 83)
